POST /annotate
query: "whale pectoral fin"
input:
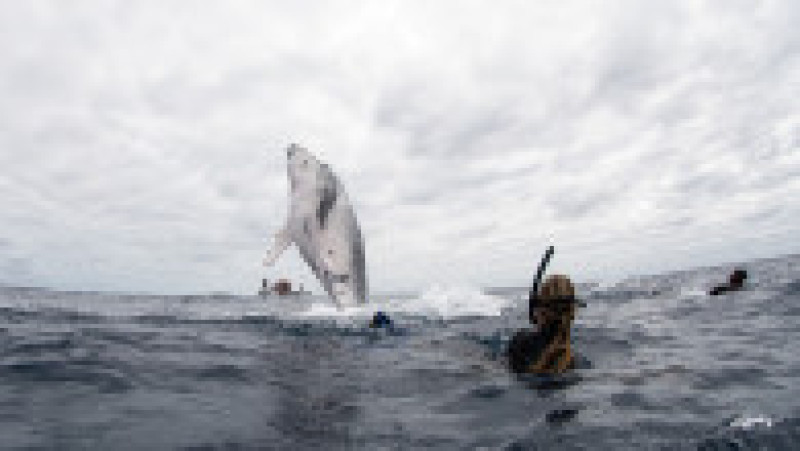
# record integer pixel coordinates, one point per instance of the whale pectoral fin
(281, 242)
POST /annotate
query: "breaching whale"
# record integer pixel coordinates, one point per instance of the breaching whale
(322, 224)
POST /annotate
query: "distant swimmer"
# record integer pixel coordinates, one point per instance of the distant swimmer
(322, 224)
(380, 320)
(546, 349)
(735, 283)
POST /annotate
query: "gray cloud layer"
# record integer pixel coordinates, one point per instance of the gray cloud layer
(141, 143)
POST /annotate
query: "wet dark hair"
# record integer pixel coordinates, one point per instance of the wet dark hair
(563, 307)
(380, 319)
(558, 301)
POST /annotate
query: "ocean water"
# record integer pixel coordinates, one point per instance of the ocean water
(661, 366)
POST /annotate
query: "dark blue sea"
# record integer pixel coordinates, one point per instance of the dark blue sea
(661, 366)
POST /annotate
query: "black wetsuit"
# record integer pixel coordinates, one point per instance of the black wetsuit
(527, 346)
(735, 283)
(719, 290)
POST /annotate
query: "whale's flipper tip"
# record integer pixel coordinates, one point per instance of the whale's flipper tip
(281, 242)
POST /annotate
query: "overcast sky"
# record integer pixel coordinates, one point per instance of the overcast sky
(142, 144)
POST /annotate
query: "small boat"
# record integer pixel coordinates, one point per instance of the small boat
(283, 287)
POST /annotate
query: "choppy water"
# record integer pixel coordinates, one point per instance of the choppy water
(663, 366)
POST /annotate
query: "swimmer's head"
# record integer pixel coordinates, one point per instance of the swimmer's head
(556, 300)
(380, 319)
(737, 277)
(555, 287)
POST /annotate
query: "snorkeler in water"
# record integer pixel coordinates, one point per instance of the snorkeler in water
(546, 349)
(735, 283)
(380, 320)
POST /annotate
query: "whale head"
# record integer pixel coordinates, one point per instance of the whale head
(303, 168)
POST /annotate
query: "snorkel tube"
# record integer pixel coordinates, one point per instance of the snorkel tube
(533, 297)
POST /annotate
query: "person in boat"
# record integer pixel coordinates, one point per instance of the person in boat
(546, 349)
(735, 283)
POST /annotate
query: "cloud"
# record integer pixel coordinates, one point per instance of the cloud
(142, 145)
